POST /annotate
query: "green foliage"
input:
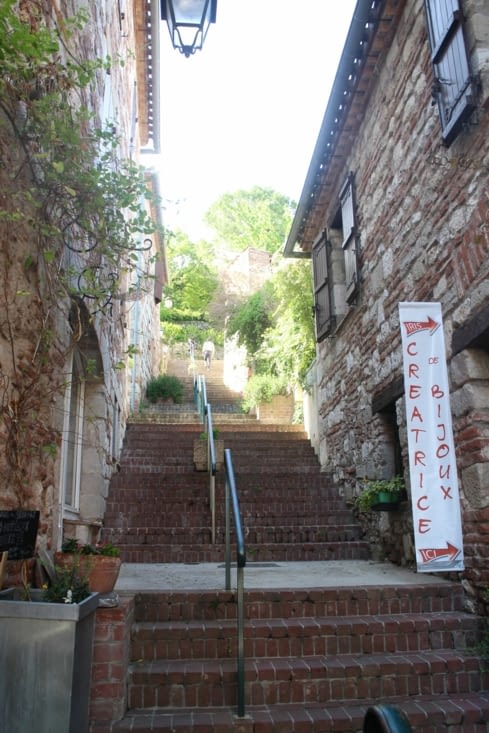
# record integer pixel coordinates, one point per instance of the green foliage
(74, 204)
(193, 280)
(215, 434)
(276, 324)
(67, 585)
(107, 549)
(262, 388)
(289, 345)
(258, 218)
(191, 290)
(251, 319)
(373, 488)
(82, 196)
(165, 387)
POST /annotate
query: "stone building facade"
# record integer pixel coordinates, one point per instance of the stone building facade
(395, 208)
(99, 358)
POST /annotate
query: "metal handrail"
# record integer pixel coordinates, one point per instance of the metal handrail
(211, 463)
(200, 395)
(205, 412)
(385, 719)
(231, 498)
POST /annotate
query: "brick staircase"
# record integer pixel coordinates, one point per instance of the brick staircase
(316, 658)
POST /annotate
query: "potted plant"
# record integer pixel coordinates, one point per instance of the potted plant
(100, 563)
(380, 494)
(46, 639)
(200, 450)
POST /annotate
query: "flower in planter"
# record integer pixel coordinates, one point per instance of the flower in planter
(66, 585)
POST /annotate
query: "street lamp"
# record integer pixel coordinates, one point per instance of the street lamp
(188, 22)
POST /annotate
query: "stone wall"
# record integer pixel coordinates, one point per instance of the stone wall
(423, 235)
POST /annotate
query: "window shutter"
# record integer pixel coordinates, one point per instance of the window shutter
(454, 89)
(159, 280)
(322, 288)
(347, 202)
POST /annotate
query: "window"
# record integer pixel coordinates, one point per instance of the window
(334, 264)
(454, 89)
(347, 204)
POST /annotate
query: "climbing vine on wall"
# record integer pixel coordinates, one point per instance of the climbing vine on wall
(72, 225)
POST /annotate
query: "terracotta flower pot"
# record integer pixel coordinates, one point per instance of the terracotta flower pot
(102, 571)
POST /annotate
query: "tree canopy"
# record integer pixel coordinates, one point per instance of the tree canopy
(276, 324)
(258, 218)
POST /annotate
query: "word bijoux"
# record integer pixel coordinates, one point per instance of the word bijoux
(439, 456)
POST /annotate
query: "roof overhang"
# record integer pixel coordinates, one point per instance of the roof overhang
(369, 37)
(147, 24)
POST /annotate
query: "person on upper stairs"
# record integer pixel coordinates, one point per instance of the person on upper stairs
(208, 350)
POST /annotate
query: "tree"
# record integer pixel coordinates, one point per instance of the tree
(289, 345)
(192, 287)
(193, 280)
(276, 324)
(259, 218)
(251, 319)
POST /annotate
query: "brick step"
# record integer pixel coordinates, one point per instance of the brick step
(180, 485)
(246, 460)
(304, 636)
(159, 533)
(432, 597)
(151, 514)
(126, 516)
(273, 552)
(185, 441)
(200, 683)
(439, 714)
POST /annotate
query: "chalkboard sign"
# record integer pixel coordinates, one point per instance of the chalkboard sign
(18, 533)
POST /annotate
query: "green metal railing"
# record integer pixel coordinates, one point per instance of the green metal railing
(205, 412)
(385, 719)
(232, 507)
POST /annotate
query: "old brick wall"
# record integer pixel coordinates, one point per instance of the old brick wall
(422, 216)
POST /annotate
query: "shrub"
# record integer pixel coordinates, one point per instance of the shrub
(262, 388)
(164, 387)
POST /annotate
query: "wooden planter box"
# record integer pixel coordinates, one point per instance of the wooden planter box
(200, 454)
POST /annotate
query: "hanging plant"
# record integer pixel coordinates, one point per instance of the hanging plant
(381, 494)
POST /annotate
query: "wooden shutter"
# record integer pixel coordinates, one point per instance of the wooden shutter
(454, 89)
(322, 288)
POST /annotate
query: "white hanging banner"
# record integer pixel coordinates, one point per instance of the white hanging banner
(432, 466)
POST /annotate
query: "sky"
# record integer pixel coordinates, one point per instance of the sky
(246, 110)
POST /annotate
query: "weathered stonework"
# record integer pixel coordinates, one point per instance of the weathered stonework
(422, 234)
(92, 416)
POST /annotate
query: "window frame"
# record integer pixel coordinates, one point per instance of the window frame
(454, 87)
(72, 441)
(349, 233)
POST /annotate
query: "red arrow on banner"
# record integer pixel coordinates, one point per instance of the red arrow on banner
(436, 553)
(417, 326)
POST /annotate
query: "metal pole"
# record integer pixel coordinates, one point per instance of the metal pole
(227, 550)
(241, 669)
